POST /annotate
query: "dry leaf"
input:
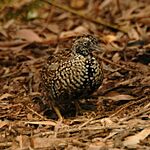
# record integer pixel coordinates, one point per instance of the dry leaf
(107, 122)
(3, 123)
(28, 35)
(110, 38)
(6, 95)
(97, 145)
(48, 142)
(53, 27)
(77, 3)
(18, 4)
(135, 139)
(24, 141)
(77, 31)
(116, 57)
(51, 123)
(121, 97)
(133, 34)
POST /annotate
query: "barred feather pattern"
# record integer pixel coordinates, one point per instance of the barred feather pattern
(71, 77)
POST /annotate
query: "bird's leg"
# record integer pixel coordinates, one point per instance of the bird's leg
(57, 111)
(79, 110)
(60, 119)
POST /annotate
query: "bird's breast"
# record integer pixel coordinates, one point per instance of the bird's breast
(75, 78)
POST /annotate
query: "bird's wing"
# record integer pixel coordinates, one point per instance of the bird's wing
(53, 62)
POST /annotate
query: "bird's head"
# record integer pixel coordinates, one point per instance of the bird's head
(84, 45)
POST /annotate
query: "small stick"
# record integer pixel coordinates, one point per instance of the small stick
(97, 20)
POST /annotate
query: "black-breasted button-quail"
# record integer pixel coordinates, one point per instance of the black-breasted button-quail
(73, 75)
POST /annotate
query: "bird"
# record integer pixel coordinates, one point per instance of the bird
(73, 74)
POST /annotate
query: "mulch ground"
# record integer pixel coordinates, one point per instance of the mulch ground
(117, 116)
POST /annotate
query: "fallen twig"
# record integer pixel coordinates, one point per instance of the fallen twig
(97, 20)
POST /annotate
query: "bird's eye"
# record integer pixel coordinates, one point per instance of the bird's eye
(85, 43)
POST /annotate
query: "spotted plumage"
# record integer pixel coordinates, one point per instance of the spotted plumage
(74, 74)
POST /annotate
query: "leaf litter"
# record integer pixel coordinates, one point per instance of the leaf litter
(117, 116)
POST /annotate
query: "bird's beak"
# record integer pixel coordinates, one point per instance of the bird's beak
(98, 48)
